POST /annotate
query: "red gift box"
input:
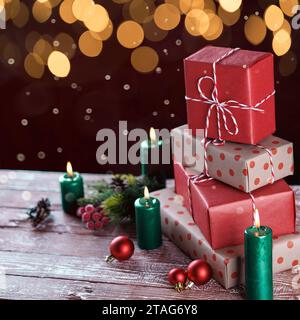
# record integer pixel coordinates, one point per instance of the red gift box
(244, 76)
(223, 213)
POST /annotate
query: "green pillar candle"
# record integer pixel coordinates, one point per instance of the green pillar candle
(258, 262)
(149, 148)
(148, 224)
(71, 185)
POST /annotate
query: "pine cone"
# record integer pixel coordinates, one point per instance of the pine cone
(40, 212)
(118, 183)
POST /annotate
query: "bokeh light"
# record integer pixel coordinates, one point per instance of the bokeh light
(41, 11)
(144, 59)
(255, 30)
(167, 16)
(105, 34)
(79, 7)
(286, 26)
(215, 27)
(281, 42)
(130, 34)
(196, 22)
(96, 18)
(59, 64)
(66, 12)
(89, 45)
(273, 17)
(65, 43)
(141, 10)
(34, 65)
(153, 32)
(21, 19)
(287, 6)
(288, 64)
(43, 48)
(229, 18)
(186, 5)
(230, 5)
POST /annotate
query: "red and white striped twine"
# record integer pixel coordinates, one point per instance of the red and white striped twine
(271, 162)
(222, 108)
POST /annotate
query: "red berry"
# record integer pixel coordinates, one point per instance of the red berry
(90, 225)
(105, 221)
(89, 208)
(98, 225)
(96, 216)
(80, 211)
(99, 209)
(86, 217)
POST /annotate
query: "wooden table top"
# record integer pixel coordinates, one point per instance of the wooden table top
(66, 261)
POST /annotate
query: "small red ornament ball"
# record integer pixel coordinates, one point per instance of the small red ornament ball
(177, 276)
(121, 248)
(199, 272)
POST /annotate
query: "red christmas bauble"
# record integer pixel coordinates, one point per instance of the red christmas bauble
(121, 248)
(199, 272)
(178, 277)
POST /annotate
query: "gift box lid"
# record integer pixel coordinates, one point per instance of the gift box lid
(245, 58)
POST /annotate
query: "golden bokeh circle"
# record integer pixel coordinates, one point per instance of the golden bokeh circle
(66, 12)
(255, 30)
(96, 18)
(186, 5)
(65, 44)
(79, 7)
(230, 5)
(31, 39)
(287, 6)
(167, 16)
(229, 18)
(196, 22)
(105, 34)
(59, 64)
(42, 11)
(21, 19)
(281, 42)
(144, 59)
(89, 45)
(43, 48)
(34, 66)
(130, 34)
(12, 8)
(288, 64)
(286, 26)
(215, 28)
(141, 10)
(153, 32)
(273, 17)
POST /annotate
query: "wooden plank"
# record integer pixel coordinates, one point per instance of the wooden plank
(19, 287)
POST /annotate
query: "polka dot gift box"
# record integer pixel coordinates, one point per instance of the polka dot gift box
(223, 212)
(235, 86)
(227, 263)
(249, 167)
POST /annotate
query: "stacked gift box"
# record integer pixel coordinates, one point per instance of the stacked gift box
(228, 163)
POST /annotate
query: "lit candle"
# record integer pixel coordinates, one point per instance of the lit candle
(152, 148)
(147, 219)
(258, 261)
(71, 185)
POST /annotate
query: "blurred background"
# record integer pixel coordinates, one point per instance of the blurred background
(69, 68)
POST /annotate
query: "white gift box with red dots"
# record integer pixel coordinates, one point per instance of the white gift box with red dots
(245, 167)
(227, 263)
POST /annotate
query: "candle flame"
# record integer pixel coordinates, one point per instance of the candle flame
(69, 170)
(256, 219)
(146, 194)
(152, 135)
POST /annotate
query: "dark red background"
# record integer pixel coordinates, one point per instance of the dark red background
(108, 99)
